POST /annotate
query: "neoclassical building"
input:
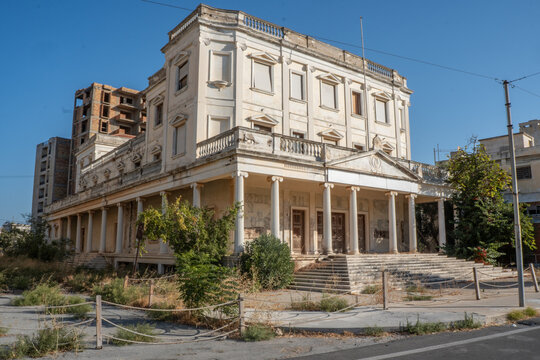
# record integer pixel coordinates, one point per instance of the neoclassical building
(314, 142)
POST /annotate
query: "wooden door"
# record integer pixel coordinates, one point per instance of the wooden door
(338, 233)
(83, 240)
(298, 230)
(320, 232)
(362, 233)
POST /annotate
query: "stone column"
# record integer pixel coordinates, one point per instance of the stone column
(103, 237)
(163, 248)
(392, 233)
(78, 235)
(196, 194)
(68, 230)
(327, 219)
(90, 231)
(442, 225)
(239, 198)
(119, 228)
(140, 207)
(274, 226)
(353, 220)
(413, 245)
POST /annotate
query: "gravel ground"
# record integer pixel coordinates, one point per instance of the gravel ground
(25, 321)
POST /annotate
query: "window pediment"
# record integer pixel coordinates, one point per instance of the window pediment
(156, 149)
(120, 166)
(136, 158)
(381, 95)
(181, 56)
(331, 78)
(264, 57)
(179, 120)
(107, 173)
(331, 134)
(265, 120)
(158, 99)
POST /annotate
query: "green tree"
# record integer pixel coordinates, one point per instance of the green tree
(200, 241)
(484, 220)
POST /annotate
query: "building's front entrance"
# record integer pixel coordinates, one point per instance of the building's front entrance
(338, 232)
(362, 233)
(298, 230)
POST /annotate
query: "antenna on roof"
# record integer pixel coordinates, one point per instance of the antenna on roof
(364, 103)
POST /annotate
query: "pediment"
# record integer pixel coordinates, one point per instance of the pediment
(331, 78)
(156, 149)
(264, 57)
(178, 120)
(263, 119)
(383, 96)
(331, 134)
(374, 162)
(180, 57)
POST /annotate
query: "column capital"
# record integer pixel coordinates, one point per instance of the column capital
(138, 198)
(327, 185)
(275, 178)
(411, 196)
(163, 193)
(441, 199)
(103, 208)
(79, 215)
(90, 212)
(239, 173)
(391, 193)
(119, 204)
(196, 185)
(353, 188)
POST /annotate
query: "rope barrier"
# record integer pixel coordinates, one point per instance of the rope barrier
(154, 278)
(171, 342)
(169, 310)
(497, 286)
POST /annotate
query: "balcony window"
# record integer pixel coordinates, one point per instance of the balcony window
(126, 100)
(126, 115)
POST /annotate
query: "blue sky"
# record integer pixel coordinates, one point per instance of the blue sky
(51, 48)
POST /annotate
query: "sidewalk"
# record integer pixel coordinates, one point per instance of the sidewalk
(491, 310)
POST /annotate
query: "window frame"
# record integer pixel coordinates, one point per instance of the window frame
(302, 85)
(156, 108)
(527, 175)
(220, 118)
(334, 86)
(179, 66)
(178, 122)
(386, 117)
(211, 75)
(268, 60)
(361, 103)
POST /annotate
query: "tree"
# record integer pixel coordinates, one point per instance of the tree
(483, 220)
(200, 241)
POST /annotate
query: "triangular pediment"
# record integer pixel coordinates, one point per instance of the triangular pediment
(263, 119)
(178, 120)
(331, 78)
(374, 162)
(264, 57)
(331, 134)
(382, 96)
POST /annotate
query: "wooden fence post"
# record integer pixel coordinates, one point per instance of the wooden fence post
(241, 325)
(385, 290)
(533, 274)
(99, 339)
(126, 281)
(151, 293)
(476, 283)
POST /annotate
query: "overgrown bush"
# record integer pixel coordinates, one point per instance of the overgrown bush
(115, 292)
(516, 315)
(375, 331)
(333, 304)
(420, 328)
(267, 261)
(306, 304)
(47, 341)
(48, 295)
(467, 323)
(21, 273)
(371, 289)
(258, 333)
(142, 328)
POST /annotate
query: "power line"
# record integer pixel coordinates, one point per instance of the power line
(15, 176)
(168, 5)
(525, 90)
(524, 77)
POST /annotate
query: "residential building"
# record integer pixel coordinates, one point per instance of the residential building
(50, 173)
(527, 153)
(314, 142)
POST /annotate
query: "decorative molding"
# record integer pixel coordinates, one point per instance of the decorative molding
(94, 179)
(239, 173)
(331, 134)
(327, 185)
(205, 41)
(158, 99)
(348, 81)
(264, 57)
(411, 196)
(156, 149)
(182, 55)
(311, 68)
(391, 193)
(275, 178)
(136, 157)
(179, 120)
(263, 120)
(241, 45)
(382, 96)
(120, 166)
(107, 173)
(375, 164)
(331, 78)
(288, 61)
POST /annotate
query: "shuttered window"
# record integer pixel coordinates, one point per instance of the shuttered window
(297, 86)
(328, 95)
(262, 76)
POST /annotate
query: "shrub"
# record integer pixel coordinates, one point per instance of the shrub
(115, 292)
(530, 312)
(332, 304)
(306, 304)
(258, 333)
(371, 289)
(146, 329)
(374, 331)
(49, 340)
(48, 295)
(267, 261)
(521, 314)
(417, 297)
(467, 323)
(163, 315)
(420, 328)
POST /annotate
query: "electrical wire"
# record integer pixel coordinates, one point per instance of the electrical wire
(168, 5)
(525, 77)
(527, 91)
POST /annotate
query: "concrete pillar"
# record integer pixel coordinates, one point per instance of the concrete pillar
(353, 219)
(119, 228)
(68, 230)
(239, 198)
(90, 232)
(442, 225)
(413, 244)
(327, 219)
(140, 206)
(196, 194)
(392, 234)
(78, 235)
(103, 237)
(274, 217)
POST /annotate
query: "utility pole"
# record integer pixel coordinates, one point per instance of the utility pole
(517, 224)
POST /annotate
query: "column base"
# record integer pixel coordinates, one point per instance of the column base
(160, 269)
(353, 253)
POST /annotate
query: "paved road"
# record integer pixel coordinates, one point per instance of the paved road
(502, 342)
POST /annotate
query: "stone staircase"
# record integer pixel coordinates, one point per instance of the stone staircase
(352, 273)
(89, 260)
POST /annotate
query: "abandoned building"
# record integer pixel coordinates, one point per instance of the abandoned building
(314, 141)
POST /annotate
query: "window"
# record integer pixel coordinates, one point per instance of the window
(179, 139)
(82, 141)
(126, 100)
(262, 127)
(329, 141)
(298, 134)
(217, 126)
(157, 156)
(524, 172)
(84, 126)
(104, 127)
(106, 97)
(356, 103)
(380, 111)
(126, 115)
(262, 76)
(182, 76)
(328, 95)
(105, 111)
(221, 67)
(297, 86)
(359, 147)
(137, 164)
(159, 115)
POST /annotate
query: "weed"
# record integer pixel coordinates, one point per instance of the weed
(49, 340)
(530, 312)
(417, 288)
(116, 293)
(332, 304)
(371, 289)
(3, 331)
(420, 328)
(306, 304)
(47, 295)
(146, 329)
(164, 315)
(521, 314)
(467, 323)
(374, 331)
(417, 297)
(258, 333)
